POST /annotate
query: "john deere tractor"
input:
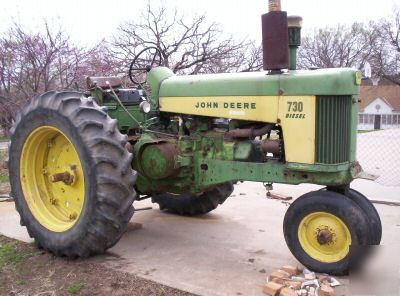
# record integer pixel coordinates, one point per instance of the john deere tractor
(78, 161)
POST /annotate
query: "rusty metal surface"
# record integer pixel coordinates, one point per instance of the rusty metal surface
(158, 160)
(248, 133)
(274, 5)
(271, 146)
(275, 40)
(65, 177)
(324, 236)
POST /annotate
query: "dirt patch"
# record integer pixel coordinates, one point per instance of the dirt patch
(25, 270)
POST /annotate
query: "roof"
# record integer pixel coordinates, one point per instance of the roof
(389, 93)
(382, 81)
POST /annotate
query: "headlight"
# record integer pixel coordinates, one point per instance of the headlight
(145, 107)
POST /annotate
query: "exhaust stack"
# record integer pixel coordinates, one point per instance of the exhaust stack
(275, 38)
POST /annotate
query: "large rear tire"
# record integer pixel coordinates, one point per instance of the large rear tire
(70, 174)
(188, 204)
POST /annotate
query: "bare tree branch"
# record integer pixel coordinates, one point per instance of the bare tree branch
(189, 47)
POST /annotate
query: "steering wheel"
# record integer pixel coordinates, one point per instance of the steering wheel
(141, 65)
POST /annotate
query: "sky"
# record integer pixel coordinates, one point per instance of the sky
(90, 21)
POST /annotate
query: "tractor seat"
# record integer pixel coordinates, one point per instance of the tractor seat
(93, 82)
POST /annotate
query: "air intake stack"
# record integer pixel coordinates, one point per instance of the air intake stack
(294, 30)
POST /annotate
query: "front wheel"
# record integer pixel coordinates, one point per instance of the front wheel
(70, 174)
(319, 228)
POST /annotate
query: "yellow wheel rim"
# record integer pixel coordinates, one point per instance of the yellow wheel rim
(324, 237)
(52, 178)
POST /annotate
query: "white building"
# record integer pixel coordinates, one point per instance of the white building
(379, 107)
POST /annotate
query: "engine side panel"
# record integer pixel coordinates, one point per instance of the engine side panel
(296, 115)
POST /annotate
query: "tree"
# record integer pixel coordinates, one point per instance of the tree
(10, 71)
(46, 60)
(340, 46)
(189, 47)
(33, 63)
(352, 46)
(385, 57)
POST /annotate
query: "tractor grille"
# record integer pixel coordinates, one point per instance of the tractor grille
(333, 129)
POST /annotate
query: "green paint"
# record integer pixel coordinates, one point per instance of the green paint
(219, 171)
(292, 57)
(333, 127)
(316, 82)
(155, 77)
(353, 127)
(243, 151)
(294, 38)
(125, 122)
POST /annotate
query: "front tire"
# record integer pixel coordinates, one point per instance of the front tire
(371, 214)
(70, 174)
(319, 228)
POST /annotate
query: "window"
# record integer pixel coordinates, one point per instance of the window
(370, 118)
(395, 119)
(384, 119)
(389, 119)
(360, 118)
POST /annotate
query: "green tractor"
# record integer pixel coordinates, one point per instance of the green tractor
(78, 161)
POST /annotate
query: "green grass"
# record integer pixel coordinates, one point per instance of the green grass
(21, 282)
(4, 179)
(9, 255)
(75, 288)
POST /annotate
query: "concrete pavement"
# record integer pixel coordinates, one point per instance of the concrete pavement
(3, 145)
(227, 252)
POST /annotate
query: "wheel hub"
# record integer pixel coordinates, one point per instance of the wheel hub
(52, 178)
(68, 177)
(324, 237)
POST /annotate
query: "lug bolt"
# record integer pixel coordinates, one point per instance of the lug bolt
(65, 177)
(73, 216)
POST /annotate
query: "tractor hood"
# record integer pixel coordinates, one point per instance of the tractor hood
(343, 81)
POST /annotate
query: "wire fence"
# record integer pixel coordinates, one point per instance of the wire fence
(379, 154)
